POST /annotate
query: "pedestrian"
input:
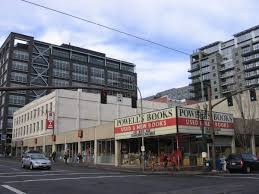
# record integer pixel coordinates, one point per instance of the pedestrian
(79, 158)
(54, 154)
(65, 157)
(165, 161)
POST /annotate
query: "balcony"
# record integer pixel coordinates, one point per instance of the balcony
(227, 90)
(227, 68)
(193, 76)
(227, 83)
(225, 75)
(194, 68)
(252, 75)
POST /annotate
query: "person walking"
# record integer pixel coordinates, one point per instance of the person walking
(65, 157)
(54, 154)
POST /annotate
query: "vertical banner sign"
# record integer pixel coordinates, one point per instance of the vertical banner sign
(50, 120)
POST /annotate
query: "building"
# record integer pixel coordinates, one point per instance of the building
(174, 94)
(83, 125)
(226, 66)
(25, 61)
(72, 110)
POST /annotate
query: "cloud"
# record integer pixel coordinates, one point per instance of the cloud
(181, 24)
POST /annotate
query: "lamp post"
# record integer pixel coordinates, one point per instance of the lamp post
(142, 131)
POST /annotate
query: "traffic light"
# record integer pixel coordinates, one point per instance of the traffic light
(252, 94)
(103, 97)
(134, 101)
(230, 101)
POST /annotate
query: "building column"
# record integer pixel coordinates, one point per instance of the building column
(117, 152)
(44, 144)
(233, 145)
(252, 140)
(53, 147)
(65, 144)
(79, 146)
(95, 150)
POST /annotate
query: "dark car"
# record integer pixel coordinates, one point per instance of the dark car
(245, 162)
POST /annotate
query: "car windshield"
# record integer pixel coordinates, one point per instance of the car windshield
(249, 157)
(37, 156)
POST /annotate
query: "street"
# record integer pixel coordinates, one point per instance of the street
(67, 179)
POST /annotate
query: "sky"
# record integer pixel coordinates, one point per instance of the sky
(181, 24)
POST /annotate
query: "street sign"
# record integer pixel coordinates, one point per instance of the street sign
(50, 124)
(50, 120)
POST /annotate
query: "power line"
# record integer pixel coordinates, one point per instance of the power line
(107, 27)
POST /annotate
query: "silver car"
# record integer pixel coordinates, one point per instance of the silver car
(35, 160)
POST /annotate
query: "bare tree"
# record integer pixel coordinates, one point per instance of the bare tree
(245, 125)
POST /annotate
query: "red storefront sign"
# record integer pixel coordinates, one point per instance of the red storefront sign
(50, 120)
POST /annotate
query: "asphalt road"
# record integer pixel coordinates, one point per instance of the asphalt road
(72, 180)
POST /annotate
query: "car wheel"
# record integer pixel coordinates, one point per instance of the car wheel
(23, 165)
(247, 169)
(31, 166)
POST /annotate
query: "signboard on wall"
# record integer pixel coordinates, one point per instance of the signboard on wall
(160, 122)
(50, 120)
(191, 121)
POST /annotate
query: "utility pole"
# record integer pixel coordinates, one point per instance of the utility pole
(212, 132)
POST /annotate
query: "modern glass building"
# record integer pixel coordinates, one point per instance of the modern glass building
(25, 61)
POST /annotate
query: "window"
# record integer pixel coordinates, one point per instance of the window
(213, 67)
(79, 57)
(79, 77)
(214, 74)
(21, 55)
(19, 77)
(50, 107)
(34, 127)
(61, 53)
(41, 125)
(60, 82)
(60, 73)
(46, 108)
(30, 128)
(42, 110)
(256, 46)
(216, 89)
(113, 78)
(113, 64)
(78, 68)
(97, 75)
(38, 126)
(246, 50)
(20, 66)
(216, 97)
(62, 65)
(17, 100)
(96, 61)
(9, 123)
(127, 68)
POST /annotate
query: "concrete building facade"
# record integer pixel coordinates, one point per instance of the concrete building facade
(73, 110)
(226, 66)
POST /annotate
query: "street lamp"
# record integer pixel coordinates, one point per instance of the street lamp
(142, 131)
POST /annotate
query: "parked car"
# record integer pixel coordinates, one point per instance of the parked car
(35, 160)
(245, 162)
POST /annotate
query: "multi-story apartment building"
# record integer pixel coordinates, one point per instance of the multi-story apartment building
(174, 93)
(226, 66)
(25, 61)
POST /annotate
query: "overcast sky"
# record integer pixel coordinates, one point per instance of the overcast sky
(182, 24)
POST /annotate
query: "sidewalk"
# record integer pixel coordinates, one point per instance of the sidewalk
(147, 171)
(191, 171)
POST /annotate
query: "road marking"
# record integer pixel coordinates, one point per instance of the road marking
(75, 178)
(30, 172)
(232, 177)
(13, 189)
(15, 169)
(75, 173)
